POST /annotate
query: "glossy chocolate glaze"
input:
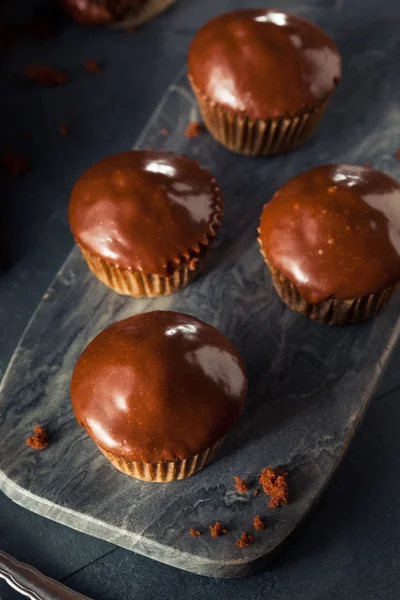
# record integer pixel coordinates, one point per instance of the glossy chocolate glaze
(335, 231)
(158, 386)
(145, 210)
(100, 12)
(264, 62)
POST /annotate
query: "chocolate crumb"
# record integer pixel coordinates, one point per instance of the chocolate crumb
(245, 540)
(164, 131)
(39, 440)
(192, 130)
(217, 529)
(16, 164)
(46, 76)
(258, 523)
(194, 532)
(64, 130)
(256, 492)
(398, 154)
(274, 483)
(240, 485)
(92, 66)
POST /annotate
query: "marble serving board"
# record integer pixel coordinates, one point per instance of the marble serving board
(309, 384)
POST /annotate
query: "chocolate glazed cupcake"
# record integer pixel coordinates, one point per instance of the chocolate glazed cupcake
(157, 393)
(331, 239)
(144, 220)
(262, 79)
(117, 13)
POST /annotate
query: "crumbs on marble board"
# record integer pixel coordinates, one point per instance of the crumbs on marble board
(194, 532)
(245, 540)
(193, 129)
(217, 529)
(275, 485)
(39, 440)
(258, 523)
(240, 485)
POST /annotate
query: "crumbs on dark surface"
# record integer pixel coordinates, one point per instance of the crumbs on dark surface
(194, 532)
(39, 440)
(258, 523)
(217, 529)
(64, 130)
(245, 540)
(398, 154)
(46, 76)
(368, 165)
(164, 131)
(274, 483)
(193, 129)
(15, 164)
(92, 66)
(240, 485)
(256, 492)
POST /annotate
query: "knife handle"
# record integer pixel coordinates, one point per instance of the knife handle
(31, 583)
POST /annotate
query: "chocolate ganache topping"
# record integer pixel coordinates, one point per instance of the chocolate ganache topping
(145, 210)
(264, 62)
(334, 231)
(158, 386)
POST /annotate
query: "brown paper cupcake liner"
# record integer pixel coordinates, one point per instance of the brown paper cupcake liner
(256, 137)
(149, 10)
(138, 284)
(166, 471)
(331, 311)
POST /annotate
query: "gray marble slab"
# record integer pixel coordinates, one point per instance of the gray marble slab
(309, 384)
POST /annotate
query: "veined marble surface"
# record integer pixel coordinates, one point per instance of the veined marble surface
(309, 384)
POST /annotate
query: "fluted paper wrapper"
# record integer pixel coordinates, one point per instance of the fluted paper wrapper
(165, 471)
(150, 10)
(138, 284)
(256, 137)
(330, 311)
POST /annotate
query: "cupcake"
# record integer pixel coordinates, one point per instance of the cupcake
(262, 79)
(157, 393)
(144, 220)
(331, 239)
(124, 13)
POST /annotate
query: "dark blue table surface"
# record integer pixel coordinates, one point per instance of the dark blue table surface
(349, 548)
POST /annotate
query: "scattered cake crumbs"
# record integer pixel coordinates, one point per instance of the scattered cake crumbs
(274, 483)
(46, 76)
(64, 130)
(245, 540)
(398, 154)
(92, 66)
(256, 492)
(164, 131)
(15, 164)
(193, 129)
(240, 485)
(194, 532)
(258, 523)
(40, 439)
(217, 529)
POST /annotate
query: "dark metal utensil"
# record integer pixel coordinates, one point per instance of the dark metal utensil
(31, 583)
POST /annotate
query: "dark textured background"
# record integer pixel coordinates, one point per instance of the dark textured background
(349, 550)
